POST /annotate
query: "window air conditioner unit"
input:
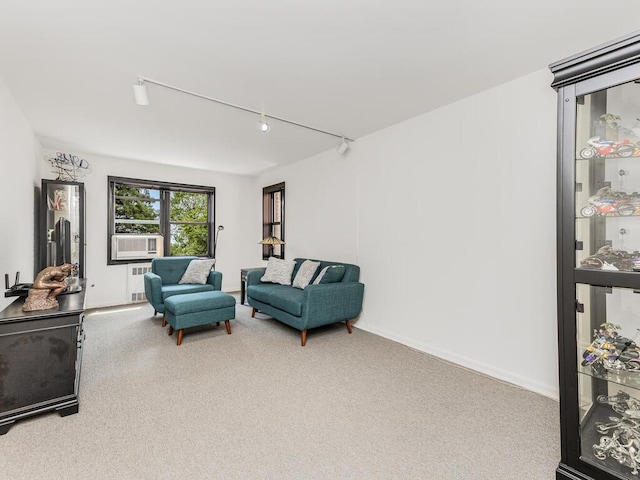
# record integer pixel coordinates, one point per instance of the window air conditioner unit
(132, 246)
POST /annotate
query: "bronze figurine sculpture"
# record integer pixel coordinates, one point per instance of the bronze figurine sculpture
(49, 283)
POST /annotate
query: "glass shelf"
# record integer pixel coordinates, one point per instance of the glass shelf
(635, 155)
(608, 242)
(625, 378)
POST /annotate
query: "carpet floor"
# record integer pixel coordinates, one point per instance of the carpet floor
(256, 405)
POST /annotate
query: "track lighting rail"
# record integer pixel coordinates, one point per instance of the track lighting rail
(141, 81)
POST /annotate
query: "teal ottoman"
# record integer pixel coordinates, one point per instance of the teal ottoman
(194, 309)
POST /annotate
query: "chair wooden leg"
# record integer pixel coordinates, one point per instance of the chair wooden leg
(228, 325)
(164, 319)
(349, 326)
(180, 332)
(170, 330)
(253, 312)
(303, 337)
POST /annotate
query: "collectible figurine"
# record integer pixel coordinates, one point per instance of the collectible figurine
(610, 351)
(608, 258)
(623, 444)
(609, 202)
(49, 283)
(597, 148)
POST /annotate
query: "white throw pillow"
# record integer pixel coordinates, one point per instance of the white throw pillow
(278, 271)
(305, 273)
(198, 271)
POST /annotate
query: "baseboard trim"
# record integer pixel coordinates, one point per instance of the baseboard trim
(465, 362)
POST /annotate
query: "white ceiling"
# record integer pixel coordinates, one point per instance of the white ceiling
(346, 66)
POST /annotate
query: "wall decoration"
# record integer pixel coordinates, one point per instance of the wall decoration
(67, 166)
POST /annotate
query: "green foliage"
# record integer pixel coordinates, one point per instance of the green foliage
(189, 239)
(188, 207)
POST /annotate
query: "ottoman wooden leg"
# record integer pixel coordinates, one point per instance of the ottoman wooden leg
(180, 336)
(170, 330)
(303, 337)
(228, 325)
(253, 312)
(349, 326)
(217, 324)
(164, 319)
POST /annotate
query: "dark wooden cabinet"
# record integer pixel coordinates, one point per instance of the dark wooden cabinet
(40, 359)
(598, 248)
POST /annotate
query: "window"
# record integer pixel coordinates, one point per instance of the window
(188, 223)
(273, 219)
(182, 214)
(137, 209)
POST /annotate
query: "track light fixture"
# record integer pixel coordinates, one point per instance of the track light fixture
(140, 94)
(264, 126)
(343, 147)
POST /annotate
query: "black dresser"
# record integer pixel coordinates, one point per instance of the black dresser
(40, 357)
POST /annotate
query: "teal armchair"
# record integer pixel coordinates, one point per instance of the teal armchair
(162, 281)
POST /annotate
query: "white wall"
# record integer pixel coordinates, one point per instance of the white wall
(19, 151)
(471, 242)
(107, 283)
(454, 229)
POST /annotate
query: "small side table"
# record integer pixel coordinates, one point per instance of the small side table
(243, 281)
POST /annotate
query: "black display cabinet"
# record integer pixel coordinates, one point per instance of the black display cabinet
(61, 234)
(599, 260)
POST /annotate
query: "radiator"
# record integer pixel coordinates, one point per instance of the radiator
(135, 281)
